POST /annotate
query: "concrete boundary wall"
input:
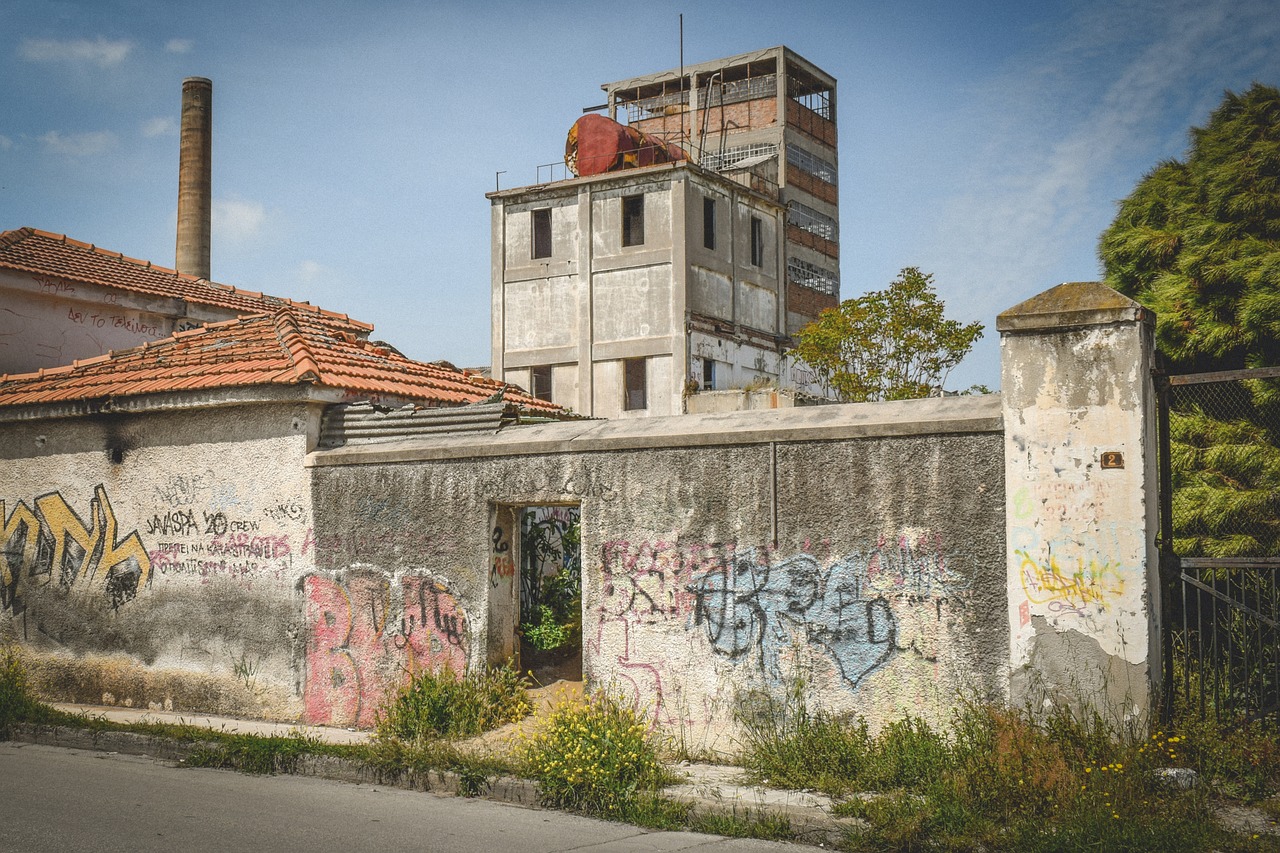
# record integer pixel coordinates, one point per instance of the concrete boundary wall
(855, 550)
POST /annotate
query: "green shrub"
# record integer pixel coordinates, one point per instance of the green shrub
(548, 634)
(594, 756)
(444, 705)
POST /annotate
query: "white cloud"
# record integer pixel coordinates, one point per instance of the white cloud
(79, 144)
(310, 272)
(179, 45)
(5, 143)
(102, 52)
(162, 126)
(237, 220)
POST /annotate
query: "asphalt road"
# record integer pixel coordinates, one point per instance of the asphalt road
(64, 800)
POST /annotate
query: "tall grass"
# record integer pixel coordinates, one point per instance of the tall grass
(999, 779)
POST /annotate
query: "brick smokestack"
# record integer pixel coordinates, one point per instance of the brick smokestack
(195, 165)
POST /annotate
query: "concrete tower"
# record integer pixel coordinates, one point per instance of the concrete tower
(195, 165)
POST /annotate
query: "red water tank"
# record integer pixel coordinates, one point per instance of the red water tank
(598, 144)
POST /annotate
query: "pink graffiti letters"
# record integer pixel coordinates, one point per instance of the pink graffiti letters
(365, 636)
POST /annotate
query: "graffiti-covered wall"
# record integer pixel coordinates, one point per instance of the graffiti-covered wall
(717, 560)
(151, 559)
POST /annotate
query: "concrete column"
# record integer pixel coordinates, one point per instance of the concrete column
(498, 296)
(586, 303)
(1081, 507)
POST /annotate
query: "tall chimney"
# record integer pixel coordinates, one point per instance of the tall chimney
(194, 170)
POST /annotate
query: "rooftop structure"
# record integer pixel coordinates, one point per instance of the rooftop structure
(67, 299)
(770, 111)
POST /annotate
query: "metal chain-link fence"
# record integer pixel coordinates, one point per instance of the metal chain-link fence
(1220, 495)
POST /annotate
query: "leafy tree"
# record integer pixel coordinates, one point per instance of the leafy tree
(1198, 241)
(892, 344)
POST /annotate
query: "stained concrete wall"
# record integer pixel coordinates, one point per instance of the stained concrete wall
(50, 321)
(891, 557)
(152, 559)
(1084, 603)
(859, 549)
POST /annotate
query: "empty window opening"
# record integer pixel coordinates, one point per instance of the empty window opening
(541, 232)
(540, 382)
(635, 392)
(709, 223)
(708, 374)
(757, 242)
(633, 220)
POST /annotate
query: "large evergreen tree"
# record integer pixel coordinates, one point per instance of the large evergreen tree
(1198, 241)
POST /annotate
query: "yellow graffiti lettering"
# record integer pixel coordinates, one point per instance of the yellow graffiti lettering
(54, 542)
(24, 527)
(73, 545)
(1091, 583)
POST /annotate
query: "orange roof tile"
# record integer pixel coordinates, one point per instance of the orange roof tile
(43, 253)
(286, 347)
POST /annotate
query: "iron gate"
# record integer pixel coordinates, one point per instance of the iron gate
(1219, 437)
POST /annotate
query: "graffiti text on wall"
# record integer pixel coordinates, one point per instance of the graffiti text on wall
(1089, 584)
(751, 605)
(52, 544)
(364, 636)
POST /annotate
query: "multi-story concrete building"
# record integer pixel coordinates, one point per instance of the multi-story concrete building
(611, 292)
(619, 294)
(770, 108)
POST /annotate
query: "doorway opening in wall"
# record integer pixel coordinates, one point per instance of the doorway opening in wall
(550, 592)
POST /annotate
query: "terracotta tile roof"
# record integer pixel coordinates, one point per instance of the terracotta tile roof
(286, 347)
(43, 253)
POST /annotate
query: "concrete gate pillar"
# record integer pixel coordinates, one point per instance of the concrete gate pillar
(1081, 502)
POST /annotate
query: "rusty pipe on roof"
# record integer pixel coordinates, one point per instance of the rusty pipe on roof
(195, 185)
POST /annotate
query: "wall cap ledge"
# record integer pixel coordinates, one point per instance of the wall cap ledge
(934, 416)
(1073, 304)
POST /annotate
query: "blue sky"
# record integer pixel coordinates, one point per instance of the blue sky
(986, 143)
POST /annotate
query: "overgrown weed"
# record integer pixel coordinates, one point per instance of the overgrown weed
(1000, 779)
(442, 704)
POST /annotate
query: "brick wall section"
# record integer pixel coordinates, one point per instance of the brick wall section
(807, 301)
(762, 112)
(816, 187)
(811, 123)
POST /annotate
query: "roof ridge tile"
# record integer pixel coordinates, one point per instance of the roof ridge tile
(293, 340)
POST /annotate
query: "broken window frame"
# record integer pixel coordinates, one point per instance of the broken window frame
(540, 382)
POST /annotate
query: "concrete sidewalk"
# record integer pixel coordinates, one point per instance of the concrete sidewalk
(116, 714)
(709, 788)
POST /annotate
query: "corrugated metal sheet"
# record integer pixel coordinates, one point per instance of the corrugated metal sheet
(361, 423)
